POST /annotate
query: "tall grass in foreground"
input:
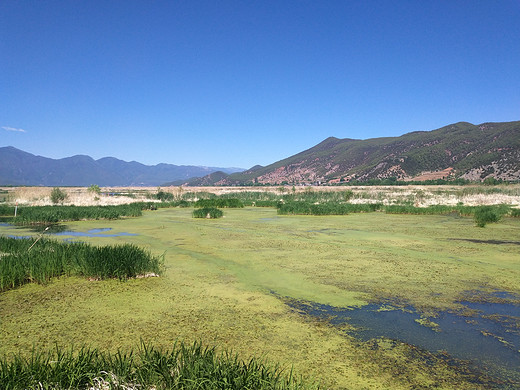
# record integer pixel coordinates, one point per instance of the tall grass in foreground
(25, 260)
(182, 367)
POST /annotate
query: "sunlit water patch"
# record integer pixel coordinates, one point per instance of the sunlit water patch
(486, 336)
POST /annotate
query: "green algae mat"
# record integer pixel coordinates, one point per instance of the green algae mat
(245, 283)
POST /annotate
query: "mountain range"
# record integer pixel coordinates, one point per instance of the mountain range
(21, 168)
(459, 150)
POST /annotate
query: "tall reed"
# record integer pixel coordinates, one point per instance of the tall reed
(24, 261)
(181, 367)
(220, 203)
(328, 208)
(53, 214)
(207, 212)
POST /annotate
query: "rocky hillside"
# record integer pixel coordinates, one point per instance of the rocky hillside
(462, 150)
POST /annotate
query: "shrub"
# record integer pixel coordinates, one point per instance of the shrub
(164, 196)
(486, 214)
(349, 194)
(58, 195)
(94, 188)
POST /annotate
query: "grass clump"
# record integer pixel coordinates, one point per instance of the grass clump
(25, 260)
(207, 212)
(182, 367)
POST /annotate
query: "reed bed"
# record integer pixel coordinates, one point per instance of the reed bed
(481, 214)
(54, 214)
(181, 367)
(219, 202)
(329, 208)
(442, 209)
(207, 212)
(27, 260)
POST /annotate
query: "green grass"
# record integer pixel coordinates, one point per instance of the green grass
(38, 260)
(181, 367)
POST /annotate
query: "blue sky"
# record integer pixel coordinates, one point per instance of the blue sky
(240, 83)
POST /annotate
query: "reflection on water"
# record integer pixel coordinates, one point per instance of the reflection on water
(489, 338)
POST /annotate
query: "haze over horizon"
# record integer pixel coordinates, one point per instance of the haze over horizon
(235, 84)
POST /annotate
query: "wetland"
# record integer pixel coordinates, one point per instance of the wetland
(365, 300)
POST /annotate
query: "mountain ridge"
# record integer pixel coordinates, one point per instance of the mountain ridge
(18, 167)
(464, 150)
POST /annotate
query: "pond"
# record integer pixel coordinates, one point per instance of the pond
(486, 336)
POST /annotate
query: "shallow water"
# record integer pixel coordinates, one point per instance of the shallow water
(489, 339)
(98, 232)
(62, 230)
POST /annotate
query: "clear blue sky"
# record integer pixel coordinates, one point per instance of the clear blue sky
(239, 83)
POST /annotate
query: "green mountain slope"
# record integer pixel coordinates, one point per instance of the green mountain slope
(458, 150)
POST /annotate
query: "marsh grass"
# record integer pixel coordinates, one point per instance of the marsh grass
(182, 367)
(53, 214)
(329, 208)
(207, 212)
(219, 202)
(481, 214)
(26, 260)
(444, 210)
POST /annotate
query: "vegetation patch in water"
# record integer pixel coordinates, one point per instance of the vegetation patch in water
(329, 208)
(219, 202)
(28, 260)
(207, 212)
(53, 214)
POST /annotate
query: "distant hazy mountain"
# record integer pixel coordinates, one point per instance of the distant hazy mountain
(21, 168)
(464, 150)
